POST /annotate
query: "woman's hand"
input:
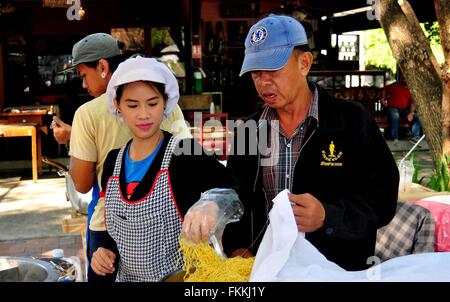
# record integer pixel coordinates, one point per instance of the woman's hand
(102, 261)
(199, 222)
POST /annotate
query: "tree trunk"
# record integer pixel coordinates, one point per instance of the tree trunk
(413, 54)
(443, 16)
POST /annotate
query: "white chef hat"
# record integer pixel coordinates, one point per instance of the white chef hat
(143, 69)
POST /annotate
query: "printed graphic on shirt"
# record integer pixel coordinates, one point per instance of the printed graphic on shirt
(331, 157)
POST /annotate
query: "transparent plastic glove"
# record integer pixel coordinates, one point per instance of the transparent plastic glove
(210, 214)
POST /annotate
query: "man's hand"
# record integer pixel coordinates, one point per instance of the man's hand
(244, 253)
(199, 222)
(102, 261)
(308, 211)
(410, 116)
(61, 130)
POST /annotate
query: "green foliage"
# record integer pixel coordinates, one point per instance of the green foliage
(377, 52)
(440, 179)
(432, 32)
(161, 36)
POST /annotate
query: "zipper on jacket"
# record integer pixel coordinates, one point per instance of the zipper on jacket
(256, 177)
(252, 231)
(299, 153)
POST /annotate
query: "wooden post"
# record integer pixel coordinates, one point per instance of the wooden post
(2, 78)
(34, 153)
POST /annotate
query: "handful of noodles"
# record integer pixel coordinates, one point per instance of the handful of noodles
(203, 264)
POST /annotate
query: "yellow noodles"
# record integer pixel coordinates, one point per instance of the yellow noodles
(202, 264)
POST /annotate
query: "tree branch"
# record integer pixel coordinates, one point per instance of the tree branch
(414, 24)
(443, 17)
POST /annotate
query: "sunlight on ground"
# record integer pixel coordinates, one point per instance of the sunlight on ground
(29, 209)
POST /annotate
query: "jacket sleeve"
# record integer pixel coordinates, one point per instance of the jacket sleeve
(108, 168)
(192, 172)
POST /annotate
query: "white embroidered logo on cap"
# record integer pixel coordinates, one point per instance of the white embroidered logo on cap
(259, 36)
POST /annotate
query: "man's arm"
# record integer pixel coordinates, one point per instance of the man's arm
(83, 148)
(82, 173)
(412, 109)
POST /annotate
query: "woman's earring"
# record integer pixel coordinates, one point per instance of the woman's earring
(118, 111)
(103, 75)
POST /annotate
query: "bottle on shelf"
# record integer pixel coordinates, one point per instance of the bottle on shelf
(198, 80)
(220, 38)
(214, 80)
(209, 39)
(222, 73)
(212, 108)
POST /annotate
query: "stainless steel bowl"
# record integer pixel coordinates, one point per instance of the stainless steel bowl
(175, 276)
(22, 269)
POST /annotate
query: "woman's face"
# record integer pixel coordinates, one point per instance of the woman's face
(92, 79)
(142, 108)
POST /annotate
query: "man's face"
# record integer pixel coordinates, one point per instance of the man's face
(280, 88)
(92, 80)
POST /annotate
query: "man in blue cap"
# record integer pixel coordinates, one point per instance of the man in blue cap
(328, 152)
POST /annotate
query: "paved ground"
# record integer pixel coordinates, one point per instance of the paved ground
(31, 210)
(31, 213)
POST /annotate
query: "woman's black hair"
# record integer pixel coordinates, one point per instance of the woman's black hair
(159, 86)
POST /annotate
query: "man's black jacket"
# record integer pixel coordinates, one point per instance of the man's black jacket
(356, 181)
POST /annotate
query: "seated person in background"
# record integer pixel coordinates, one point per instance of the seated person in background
(400, 104)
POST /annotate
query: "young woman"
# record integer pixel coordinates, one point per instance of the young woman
(95, 131)
(148, 188)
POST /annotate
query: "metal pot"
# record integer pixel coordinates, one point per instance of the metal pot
(78, 200)
(176, 276)
(22, 269)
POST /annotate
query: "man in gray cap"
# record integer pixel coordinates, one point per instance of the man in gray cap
(328, 152)
(96, 131)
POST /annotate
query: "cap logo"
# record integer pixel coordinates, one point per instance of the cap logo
(258, 36)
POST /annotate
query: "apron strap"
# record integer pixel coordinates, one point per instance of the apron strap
(173, 143)
(118, 164)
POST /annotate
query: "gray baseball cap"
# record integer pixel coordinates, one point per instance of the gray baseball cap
(93, 48)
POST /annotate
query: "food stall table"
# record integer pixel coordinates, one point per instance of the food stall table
(27, 129)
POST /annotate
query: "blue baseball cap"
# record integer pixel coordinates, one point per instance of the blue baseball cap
(270, 42)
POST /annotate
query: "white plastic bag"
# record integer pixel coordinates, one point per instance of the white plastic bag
(285, 255)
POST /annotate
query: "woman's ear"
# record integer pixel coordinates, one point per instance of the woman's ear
(117, 105)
